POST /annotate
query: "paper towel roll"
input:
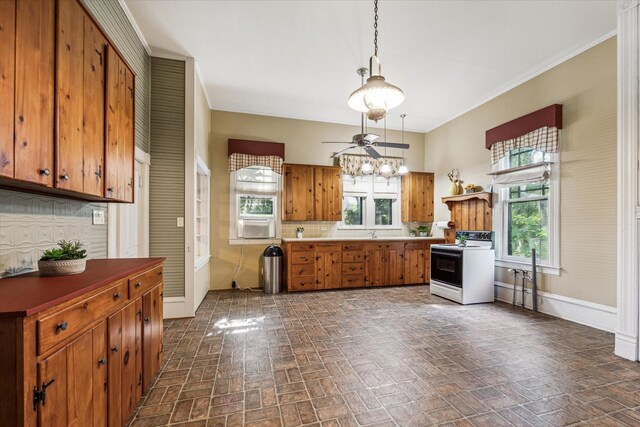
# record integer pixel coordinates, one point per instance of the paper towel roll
(442, 224)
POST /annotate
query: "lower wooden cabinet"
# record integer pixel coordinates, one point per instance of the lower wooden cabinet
(97, 368)
(353, 264)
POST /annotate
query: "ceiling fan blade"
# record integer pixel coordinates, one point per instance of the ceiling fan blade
(342, 151)
(370, 151)
(370, 137)
(337, 142)
(391, 145)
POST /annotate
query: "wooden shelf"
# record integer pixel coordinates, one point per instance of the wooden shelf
(482, 195)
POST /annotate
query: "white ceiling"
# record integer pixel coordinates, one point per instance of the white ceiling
(299, 58)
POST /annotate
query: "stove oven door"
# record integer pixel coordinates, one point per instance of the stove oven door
(446, 266)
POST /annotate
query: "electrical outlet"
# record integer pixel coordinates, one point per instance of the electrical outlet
(323, 228)
(97, 217)
(180, 222)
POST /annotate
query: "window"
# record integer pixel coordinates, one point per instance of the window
(370, 202)
(527, 213)
(254, 204)
(203, 176)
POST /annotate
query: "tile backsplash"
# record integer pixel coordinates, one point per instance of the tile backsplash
(330, 229)
(30, 224)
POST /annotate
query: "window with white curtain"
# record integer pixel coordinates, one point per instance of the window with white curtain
(203, 188)
(527, 214)
(371, 202)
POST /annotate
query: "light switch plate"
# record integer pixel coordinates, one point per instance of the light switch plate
(97, 217)
(180, 222)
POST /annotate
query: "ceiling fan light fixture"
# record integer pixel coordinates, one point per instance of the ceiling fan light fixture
(402, 170)
(366, 167)
(385, 168)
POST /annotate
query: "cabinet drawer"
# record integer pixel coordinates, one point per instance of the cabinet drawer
(352, 281)
(59, 326)
(378, 246)
(302, 257)
(352, 256)
(302, 283)
(297, 247)
(414, 245)
(328, 248)
(300, 270)
(141, 283)
(352, 246)
(352, 268)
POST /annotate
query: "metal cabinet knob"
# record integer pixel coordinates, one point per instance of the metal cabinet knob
(138, 284)
(44, 172)
(62, 326)
(64, 177)
(117, 296)
(102, 361)
(115, 349)
(110, 189)
(147, 319)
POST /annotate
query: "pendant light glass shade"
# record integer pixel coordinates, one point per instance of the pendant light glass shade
(403, 170)
(366, 167)
(385, 168)
(376, 97)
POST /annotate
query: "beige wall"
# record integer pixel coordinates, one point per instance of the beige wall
(586, 86)
(303, 145)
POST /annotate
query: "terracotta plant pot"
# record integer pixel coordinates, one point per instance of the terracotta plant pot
(62, 268)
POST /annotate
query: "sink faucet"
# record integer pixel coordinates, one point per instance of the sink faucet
(373, 234)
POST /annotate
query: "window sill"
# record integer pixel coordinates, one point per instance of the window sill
(546, 269)
(362, 227)
(238, 242)
(202, 261)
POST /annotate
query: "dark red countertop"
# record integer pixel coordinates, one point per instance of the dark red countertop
(28, 294)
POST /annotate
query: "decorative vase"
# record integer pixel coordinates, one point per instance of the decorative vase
(424, 234)
(454, 190)
(460, 189)
(62, 268)
(299, 234)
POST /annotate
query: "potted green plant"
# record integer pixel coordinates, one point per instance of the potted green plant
(299, 232)
(67, 258)
(424, 230)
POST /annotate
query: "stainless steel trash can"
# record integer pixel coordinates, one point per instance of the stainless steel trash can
(271, 271)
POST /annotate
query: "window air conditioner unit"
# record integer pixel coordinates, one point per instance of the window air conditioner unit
(257, 228)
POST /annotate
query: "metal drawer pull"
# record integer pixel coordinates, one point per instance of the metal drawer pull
(117, 296)
(102, 361)
(159, 273)
(138, 284)
(147, 319)
(44, 172)
(62, 326)
(64, 177)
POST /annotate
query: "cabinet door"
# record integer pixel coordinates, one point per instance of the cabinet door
(100, 377)
(395, 267)
(414, 266)
(375, 267)
(80, 370)
(157, 328)
(327, 194)
(93, 101)
(7, 84)
(53, 368)
(70, 96)
(126, 132)
(139, 391)
(34, 97)
(147, 333)
(128, 355)
(298, 193)
(417, 197)
(328, 270)
(114, 363)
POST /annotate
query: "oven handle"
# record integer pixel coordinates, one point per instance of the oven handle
(446, 253)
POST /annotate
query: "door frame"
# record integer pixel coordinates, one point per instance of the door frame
(142, 196)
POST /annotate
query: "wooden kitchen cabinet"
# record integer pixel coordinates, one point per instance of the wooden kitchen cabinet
(384, 264)
(152, 334)
(311, 193)
(74, 355)
(328, 266)
(27, 91)
(120, 136)
(417, 197)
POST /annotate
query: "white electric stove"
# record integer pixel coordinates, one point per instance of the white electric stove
(464, 271)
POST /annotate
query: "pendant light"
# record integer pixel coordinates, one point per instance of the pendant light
(385, 168)
(376, 97)
(403, 169)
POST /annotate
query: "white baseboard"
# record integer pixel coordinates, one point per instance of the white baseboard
(626, 346)
(176, 308)
(586, 313)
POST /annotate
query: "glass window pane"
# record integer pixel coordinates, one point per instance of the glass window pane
(383, 211)
(528, 228)
(256, 205)
(256, 178)
(536, 189)
(526, 156)
(352, 210)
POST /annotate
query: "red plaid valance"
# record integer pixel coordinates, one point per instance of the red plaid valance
(244, 153)
(240, 161)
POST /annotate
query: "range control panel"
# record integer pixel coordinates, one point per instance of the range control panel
(486, 236)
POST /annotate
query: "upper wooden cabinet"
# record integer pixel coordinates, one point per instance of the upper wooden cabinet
(54, 80)
(417, 197)
(311, 193)
(27, 90)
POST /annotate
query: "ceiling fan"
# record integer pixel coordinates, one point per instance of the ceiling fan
(366, 141)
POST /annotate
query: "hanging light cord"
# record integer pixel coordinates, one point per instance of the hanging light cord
(375, 27)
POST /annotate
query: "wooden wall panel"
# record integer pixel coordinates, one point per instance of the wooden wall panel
(34, 102)
(7, 84)
(469, 213)
(69, 99)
